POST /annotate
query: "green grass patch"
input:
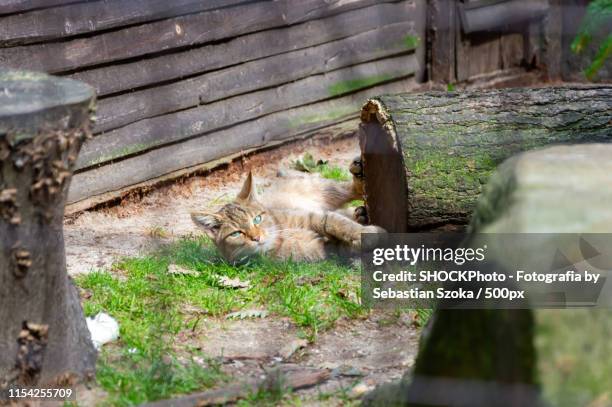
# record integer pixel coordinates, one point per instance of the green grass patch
(412, 41)
(307, 163)
(594, 28)
(149, 304)
(574, 349)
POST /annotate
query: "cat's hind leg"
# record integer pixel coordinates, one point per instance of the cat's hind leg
(342, 228)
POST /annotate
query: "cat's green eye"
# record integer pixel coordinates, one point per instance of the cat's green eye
(236, 234)
(257, 220)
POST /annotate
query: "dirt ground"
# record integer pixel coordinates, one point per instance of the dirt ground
(359, 353)
(96, 239)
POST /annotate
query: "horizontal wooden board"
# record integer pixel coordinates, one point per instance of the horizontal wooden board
(335, 131)
(172, 33)
(67, 21)
(274, 128)
(120, 110)
(121, 77)
(15, 6)
(150, 133)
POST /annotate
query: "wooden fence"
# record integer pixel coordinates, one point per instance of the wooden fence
(184, 85)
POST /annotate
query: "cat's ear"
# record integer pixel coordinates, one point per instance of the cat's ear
(209, 222)
(249, 191)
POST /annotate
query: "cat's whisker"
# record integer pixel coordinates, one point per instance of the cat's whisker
(284, 230)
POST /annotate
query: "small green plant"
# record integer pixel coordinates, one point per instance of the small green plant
(598, 18)
(423, 316)
(450, 87)
(412, 41)
(308, 164)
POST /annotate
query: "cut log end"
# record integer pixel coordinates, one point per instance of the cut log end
(32, 101)
(384, 170)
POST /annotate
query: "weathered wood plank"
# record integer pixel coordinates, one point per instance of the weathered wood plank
(337, 130)
(172, 33)
(419, 36)
(74, 19)
(442, 30)
(150, 133)
(15, 6)
(553, 39)
(512, 46)
(274, 128)
(116, 78)
(477, 54)
(120, 110)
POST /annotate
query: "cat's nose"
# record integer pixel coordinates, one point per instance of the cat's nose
(256, 238)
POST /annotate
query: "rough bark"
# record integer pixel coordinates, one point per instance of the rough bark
(426, 157)
(43, 335)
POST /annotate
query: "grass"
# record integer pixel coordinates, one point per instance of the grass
(412, 41)
(574, 349)
(307, 163)
(155, 307)
(150, 305)
(595, 25)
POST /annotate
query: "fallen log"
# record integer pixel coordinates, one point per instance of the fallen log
(427, 156)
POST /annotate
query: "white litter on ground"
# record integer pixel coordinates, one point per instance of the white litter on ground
(103, 329)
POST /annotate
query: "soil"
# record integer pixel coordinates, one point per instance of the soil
(359, 353)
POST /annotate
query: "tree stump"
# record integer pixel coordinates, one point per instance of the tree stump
(43, 334)
(427, 156)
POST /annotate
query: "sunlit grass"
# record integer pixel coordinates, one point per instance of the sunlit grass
(147, 301)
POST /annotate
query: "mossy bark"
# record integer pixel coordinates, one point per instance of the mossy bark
(427, 156)
(43, 334)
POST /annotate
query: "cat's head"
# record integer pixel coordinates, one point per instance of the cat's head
(239, 229)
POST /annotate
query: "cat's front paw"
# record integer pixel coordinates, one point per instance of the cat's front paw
(360, 215)
(356, 167)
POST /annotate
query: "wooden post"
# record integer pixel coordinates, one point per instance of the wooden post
(43, 334)
(441, 32)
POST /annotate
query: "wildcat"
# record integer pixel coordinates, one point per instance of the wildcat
(298, 218)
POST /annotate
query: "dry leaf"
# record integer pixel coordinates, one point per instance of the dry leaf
(288, 350)
(247, 313)
(225, 281)
(174, 269)
(359, 390)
